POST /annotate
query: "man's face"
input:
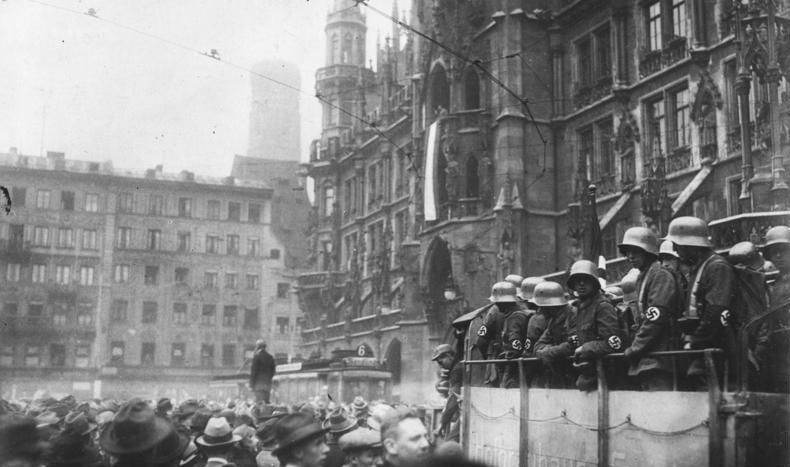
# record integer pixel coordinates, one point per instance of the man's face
(367, 458)
(410, 443)
(585, 287)
(636, 257)
(445, 361)
(314, 452)
(780, 256)
(688, 254)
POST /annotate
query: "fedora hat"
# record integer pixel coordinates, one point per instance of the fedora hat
(77, 423)
(134, 429)
(359, 405)
(295, 428)
(46, 418)
(217, 433)
(339, 421)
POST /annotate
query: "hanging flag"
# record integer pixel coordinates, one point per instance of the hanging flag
(429, 195)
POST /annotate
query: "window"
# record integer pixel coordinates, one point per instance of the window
(274, 253)
(117, 350)
(233, 245)
(59, 318)
(603, 53)
(124, 237)
(151, 275)
(155, 205)
(32, 355)
(655, 127)
(42, 199)
(249, 352)
(210, 280)
(234, 211)
(679, 19)
(231, 280)
(184, 207)
(254, 213)
(228, 355)
(13, 272)
(57, 355)
(86, 275)
(88, 239)
(82, 355)
(209, 315)
(251, 320)
(253, 282)
(184, 241)
(67, 200)
(207, 355)
(149, 312)
(7, 355)
(587, 149)
(41, 236)
(282, 324)
(253, 246)
(654, 29)
(119, 311)
(65, 238)
(229, 315)
(604, 158)
(182, 275)
(18, 195)
(10, 309)
(63, 274)
(282, 289)
(585, 61)
(154, 239)
(92, 202)
(121, 273)
(471, 90)
(329, 200)
(125, 202)
(177, 354)
(147, 353)
(35, 310)
(212, 209)
(85, 317)
(39, 273)
(16, 236)
(681, 124)
(212, 244)
(180, 313)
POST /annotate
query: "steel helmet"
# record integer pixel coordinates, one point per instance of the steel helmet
(582, 267)
(642, 238)
(667, 249)
(549, 293)
(689, 231)
(442, 349)
(777, 235)
(745, 253)
(614, 292)
(514, 279)
(527, 289)
(503, 292)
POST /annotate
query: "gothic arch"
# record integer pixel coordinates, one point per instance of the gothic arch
(437, 268)
(392, 360)
(471, 89)
(438, 92)
(472, 178)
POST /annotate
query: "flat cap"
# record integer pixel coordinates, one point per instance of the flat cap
(359, 440)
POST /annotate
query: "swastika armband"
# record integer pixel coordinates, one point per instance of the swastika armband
(725, 318)
(527, 344)
(516, 344)
(652, 313)
(482, 331)
(614, 342)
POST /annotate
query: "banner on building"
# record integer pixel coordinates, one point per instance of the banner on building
(429, 197)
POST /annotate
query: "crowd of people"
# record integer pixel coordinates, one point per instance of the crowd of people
(680, 295)
(105, 433)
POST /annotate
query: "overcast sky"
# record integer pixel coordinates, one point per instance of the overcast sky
(132, 90)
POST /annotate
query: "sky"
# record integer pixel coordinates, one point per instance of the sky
(134, 86)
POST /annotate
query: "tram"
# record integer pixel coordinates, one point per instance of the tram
(727, 425)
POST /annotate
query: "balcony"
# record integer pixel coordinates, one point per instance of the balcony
(43, 327)
(752, 226)
(317, 280)
(679, 159)
(606, 185)
(348, 72)
(586, 94)
(652, 61)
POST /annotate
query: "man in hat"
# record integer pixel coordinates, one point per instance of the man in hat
(300, 441)
(74, 445)
(444, 356)
(20, 444)
(359, 409)
(217, 445)
(489, 341)
(163, 408)
(261, 372)
(338, 423)
(362, 447)
(404, 438)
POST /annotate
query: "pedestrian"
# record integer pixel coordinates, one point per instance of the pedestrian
(218, 444)
(362, 447)
(163, 407)
(444, 355)
(490, 334)
(707, 321)
(20, 443)
(300, 441)
(337, 423)
(658, 305)
(553, 347)
(359, 409)
(404, 438)
(261, 372)
(74, 445)
(266, 444)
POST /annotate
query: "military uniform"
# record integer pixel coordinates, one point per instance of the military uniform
(535, 329)
(553, 349)
(658, 303)
(598, 331)
(514, 333)
(489, 336)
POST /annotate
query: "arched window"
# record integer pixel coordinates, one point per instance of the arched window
(335, 58)
(346, 52)
(329, 200)
(471, 90)
(472, 179)
(440, 93)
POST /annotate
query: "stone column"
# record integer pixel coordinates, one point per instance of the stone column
(742, 85)
(697, 12)
(779, 188)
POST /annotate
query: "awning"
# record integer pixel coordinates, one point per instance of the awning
(691, 188)
(616, 208)
(463, 320)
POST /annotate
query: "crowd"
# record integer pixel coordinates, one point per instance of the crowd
(64, 432)
(680, 295)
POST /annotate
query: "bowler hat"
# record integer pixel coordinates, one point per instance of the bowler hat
(134, 429)
(295, 428)
(339, 421)
(77, 423)
(217, 433)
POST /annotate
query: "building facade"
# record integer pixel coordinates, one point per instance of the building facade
(505, 118)
(125, 283)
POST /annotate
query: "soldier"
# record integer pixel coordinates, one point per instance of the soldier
(553, 346)
(707, 321)
(444, 356)
(491, 333)
(537, 323)
(597, 331)
(777, 251)
(658, 302)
